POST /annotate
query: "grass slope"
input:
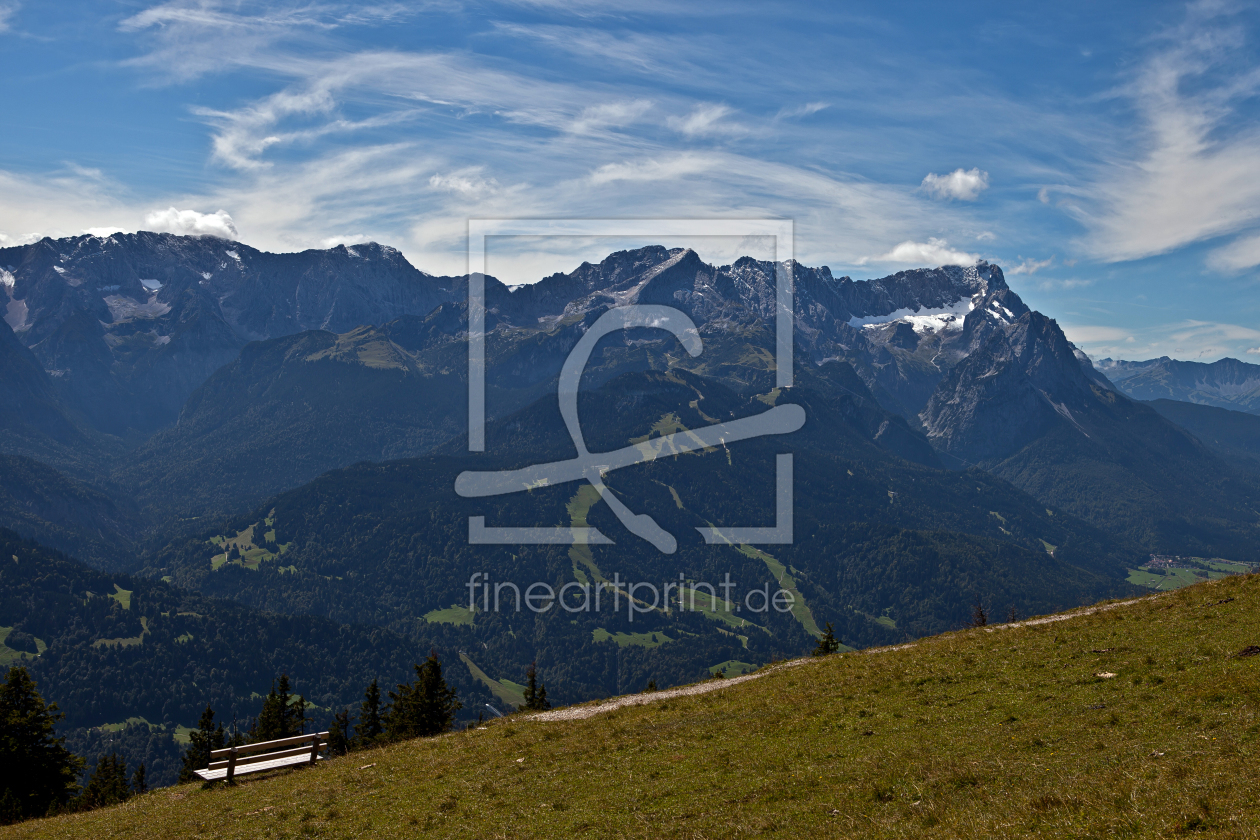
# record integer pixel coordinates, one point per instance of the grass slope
(1138, 720)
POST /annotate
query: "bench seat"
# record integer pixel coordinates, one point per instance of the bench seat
(265, 755)
(257, 767)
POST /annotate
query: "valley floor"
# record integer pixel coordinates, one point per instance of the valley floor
(1131, 719)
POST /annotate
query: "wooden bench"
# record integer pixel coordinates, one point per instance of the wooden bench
(237, 761)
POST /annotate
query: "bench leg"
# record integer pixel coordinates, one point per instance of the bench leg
(231, 768)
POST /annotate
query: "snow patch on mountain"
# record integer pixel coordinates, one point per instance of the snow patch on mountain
(15, 315)
(921, 319)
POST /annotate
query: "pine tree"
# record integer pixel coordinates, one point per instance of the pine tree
(107, 785)
(827, 643)
(424, 708)
(535, 694)
(201, 743)
(338, 733)
(979, 615)
(139, 784)
(37, 772)
(281, 715)
(371, 725)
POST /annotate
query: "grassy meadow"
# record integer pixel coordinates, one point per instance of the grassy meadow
(1139, 720)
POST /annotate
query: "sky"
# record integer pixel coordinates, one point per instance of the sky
(1107, 156)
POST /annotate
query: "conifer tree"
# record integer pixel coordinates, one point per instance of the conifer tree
(37, 772)
(371, 725)
(338, 733)
(107, 785)
(139, 784)
(281, 715)
(535, 692)
(424, 708)
(827, 643)
(201, 743)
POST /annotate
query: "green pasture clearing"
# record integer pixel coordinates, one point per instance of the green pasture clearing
(252, 555)
(122, 596)
(733, 668)
(454, 614)
(647, 640)
(580, 552)
(512, 697)
(800, 609)
(713, 607)
(131, 721)
(9, 656)
(1164, 579)
(128, 642)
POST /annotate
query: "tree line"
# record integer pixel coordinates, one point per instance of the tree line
(39, 776)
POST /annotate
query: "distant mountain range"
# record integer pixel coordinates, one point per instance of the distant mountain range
(166, 401)
(1227, 383)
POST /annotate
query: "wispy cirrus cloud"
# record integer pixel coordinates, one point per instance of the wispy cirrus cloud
(708, 120)
(1187, 339)
(806, 110)
(7, 11)
(1030, 266)
(1193, 177)
(191, 38)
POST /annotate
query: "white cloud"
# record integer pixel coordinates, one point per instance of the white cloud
(1080, 334)
(706, 121)
(103, 232)
(1193, 176)
(1254, 350)
(10, 241)
(808, 109)
(609, 115)
(192, 38)
(7, 11)
(934, 252)
(191, 223)
(1240, 254)
(464, 182)
(652, 169)
(1030, 266)
(344, 239)
(1194, 340)
(961, 184)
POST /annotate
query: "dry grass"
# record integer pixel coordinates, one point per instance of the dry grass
(994, 732)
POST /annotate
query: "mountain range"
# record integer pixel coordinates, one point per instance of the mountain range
(1227, 383)
(284, 431)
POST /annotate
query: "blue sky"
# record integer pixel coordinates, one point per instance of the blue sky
(1106, 155)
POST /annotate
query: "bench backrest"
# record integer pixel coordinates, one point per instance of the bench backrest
(268, 746)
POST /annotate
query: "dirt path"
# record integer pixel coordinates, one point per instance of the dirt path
(583, 712)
